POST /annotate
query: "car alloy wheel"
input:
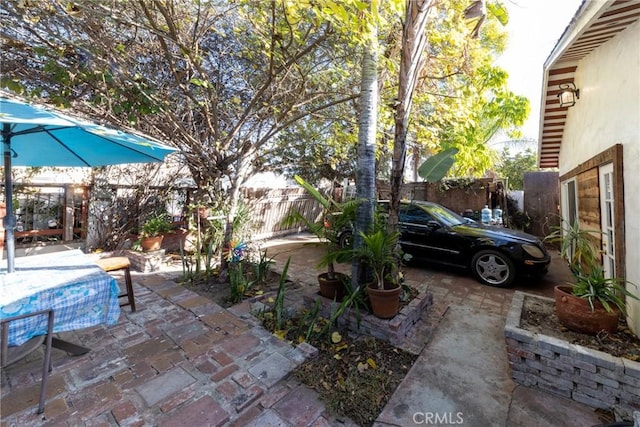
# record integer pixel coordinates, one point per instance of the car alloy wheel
(493, 268)
(345, 239)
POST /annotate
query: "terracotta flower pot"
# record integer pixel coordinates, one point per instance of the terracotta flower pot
(149, 244)
(385, 303)
(575, 313)
(332, 288)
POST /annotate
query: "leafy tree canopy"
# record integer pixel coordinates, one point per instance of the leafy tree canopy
(514, 166)
(217, 79)
(245, 86)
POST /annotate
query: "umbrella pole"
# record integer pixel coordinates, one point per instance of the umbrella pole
(9, 221)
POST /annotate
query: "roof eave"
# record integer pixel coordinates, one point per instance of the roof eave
(584, 17)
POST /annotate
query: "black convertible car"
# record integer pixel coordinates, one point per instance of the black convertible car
(495, 255)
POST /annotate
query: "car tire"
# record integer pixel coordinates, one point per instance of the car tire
(493, 268)
(346, 239)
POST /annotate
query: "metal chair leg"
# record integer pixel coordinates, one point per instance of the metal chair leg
(46, 365)
(129, 284)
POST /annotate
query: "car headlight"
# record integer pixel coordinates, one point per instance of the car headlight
(533, 250)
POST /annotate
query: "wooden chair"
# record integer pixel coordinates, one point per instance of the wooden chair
(120, 263)
(8, 355)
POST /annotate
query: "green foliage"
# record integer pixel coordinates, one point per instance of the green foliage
(467, 185)
(517, 218)
(261, 84)
(224, 80)
(198, 266)
(317, 149)
(380, 250)
(497, 9)
(579, 248)
(278, 308)
(209, 223)
(465, 100)
(437, 166)
(239, 283)
(262, 266)
(610, 292)
(514, 167)
(310, 321)
(335, 217)
(245, 274)
(156, 226)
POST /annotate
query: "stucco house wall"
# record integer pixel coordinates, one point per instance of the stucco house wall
(608, 113)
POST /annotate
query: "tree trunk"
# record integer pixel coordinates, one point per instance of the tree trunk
(414, 42)
(365, 175)
(243, 168)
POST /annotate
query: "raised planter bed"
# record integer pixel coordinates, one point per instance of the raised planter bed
(576, 372)
(393, 330)
(145, 262)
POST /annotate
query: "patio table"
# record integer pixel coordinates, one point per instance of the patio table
(69, 282)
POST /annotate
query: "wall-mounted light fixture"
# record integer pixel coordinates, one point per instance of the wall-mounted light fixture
(568, 95)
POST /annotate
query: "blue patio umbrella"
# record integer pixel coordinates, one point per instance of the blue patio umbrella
(33, 135)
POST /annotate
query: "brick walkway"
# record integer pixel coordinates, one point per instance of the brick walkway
(180, 360)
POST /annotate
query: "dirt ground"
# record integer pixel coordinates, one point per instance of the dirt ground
(220, 293)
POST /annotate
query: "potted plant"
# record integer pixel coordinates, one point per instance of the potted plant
(152, 232)
(380, 251)
(335, 217)
(593, 302)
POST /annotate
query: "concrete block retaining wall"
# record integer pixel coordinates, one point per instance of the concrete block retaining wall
(144, 262)
(588, 376)
(392, 330)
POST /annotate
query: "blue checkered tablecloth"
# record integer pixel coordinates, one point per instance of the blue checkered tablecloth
(80, 293)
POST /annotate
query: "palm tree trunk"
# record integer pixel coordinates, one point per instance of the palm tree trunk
(365, 175)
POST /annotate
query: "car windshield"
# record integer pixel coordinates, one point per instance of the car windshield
(445, 216)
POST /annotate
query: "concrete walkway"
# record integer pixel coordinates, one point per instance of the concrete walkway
(182, 360)
(462, 374)
(462, 377)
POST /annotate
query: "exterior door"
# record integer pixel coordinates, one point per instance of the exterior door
(607, 219)
(569, 202)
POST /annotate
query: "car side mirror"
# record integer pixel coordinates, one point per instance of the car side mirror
(434, 225)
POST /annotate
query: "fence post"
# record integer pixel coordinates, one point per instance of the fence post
(67, 218)
(3, 212)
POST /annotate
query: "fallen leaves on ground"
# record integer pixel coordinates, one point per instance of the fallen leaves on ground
(359, 382)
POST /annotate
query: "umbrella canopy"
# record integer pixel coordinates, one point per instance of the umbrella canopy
(35, 136)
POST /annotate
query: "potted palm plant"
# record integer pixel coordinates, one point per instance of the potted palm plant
(153, 232)
(380, 251)
(593, 302)
(335, 217)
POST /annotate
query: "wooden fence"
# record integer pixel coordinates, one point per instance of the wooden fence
(62, 213)
(58, 213)
(269, 207)
(542, 201)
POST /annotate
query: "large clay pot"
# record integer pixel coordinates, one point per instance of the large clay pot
(332, 288)
(149, 244)
(575, 313)
(385, 303)
(175, 240)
